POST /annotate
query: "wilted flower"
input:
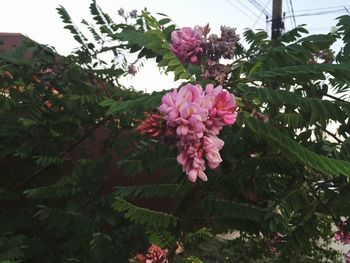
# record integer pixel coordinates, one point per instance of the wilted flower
(228, 34)
(215, 71)
(187, 44)
(133, 13)
(259, 116)
(206, 30)
(6, 74)
(48, 104)
(275, 238)
(121, 12)
(132, 70)
(224, 46)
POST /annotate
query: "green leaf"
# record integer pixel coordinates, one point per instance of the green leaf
(143, 215)
(293, 150)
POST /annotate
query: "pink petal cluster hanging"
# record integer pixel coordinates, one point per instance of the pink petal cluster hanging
(197, 117)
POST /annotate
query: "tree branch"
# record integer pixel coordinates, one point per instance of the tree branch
(314, 193)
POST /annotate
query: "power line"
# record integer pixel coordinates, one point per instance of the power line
(289, 10)
(319, 13)
(291, 6)
(247, 8)
(259, 7)
(321, 8)
(236, 7)
(262, 12)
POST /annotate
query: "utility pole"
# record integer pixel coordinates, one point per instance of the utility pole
(276, 24)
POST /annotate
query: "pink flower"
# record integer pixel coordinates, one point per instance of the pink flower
(154, 255)
(168, 107)
(224, 107)
(223, 112)
(347, 257)
(154, 126)
(221, 106)
(340, 235)
(183, 111)
(151, 126)
(275, 238)
(197, 117)
(187, 44)
(212, 145)
(191, 158)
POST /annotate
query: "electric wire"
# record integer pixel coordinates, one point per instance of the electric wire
(262, 12)
(319, 13)
(259, 7)
(289, 10)
(238, 8)
(321, 8)
(291, 6)
(247, 8)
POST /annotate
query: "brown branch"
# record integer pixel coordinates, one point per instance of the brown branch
(329, 133)
(332, 97)
(314, 193)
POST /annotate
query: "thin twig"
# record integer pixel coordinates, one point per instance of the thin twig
(314, 193)
(329, 133)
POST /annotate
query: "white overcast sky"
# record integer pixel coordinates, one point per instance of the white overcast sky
(38, 19)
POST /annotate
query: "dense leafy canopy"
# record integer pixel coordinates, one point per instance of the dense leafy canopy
(79, 184)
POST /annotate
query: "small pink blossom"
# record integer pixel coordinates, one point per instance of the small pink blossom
(275, 238)
(154, 255)
(154, 126)
(340, 235)
(183, 111)
(187, 44)
(191, 158)
(151, 126)
(347, 257)
(212, 145)
(222, 108)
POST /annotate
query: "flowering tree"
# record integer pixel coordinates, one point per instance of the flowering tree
(254, 140)
(284, 167)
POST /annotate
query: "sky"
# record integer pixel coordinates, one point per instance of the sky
(38, 19)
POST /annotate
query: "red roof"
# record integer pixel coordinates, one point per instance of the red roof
(10, 40)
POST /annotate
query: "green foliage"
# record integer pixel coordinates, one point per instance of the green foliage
(54, 197)
(144, 216)
(253, 250)
(293, 150)
(79, 184)
(282, 168)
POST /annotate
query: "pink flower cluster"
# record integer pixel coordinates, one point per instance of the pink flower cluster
(340, 235)
(275, 239)
(197, 117)
(343, 236)
(187, 44)
(154, 126)
(154, 255)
